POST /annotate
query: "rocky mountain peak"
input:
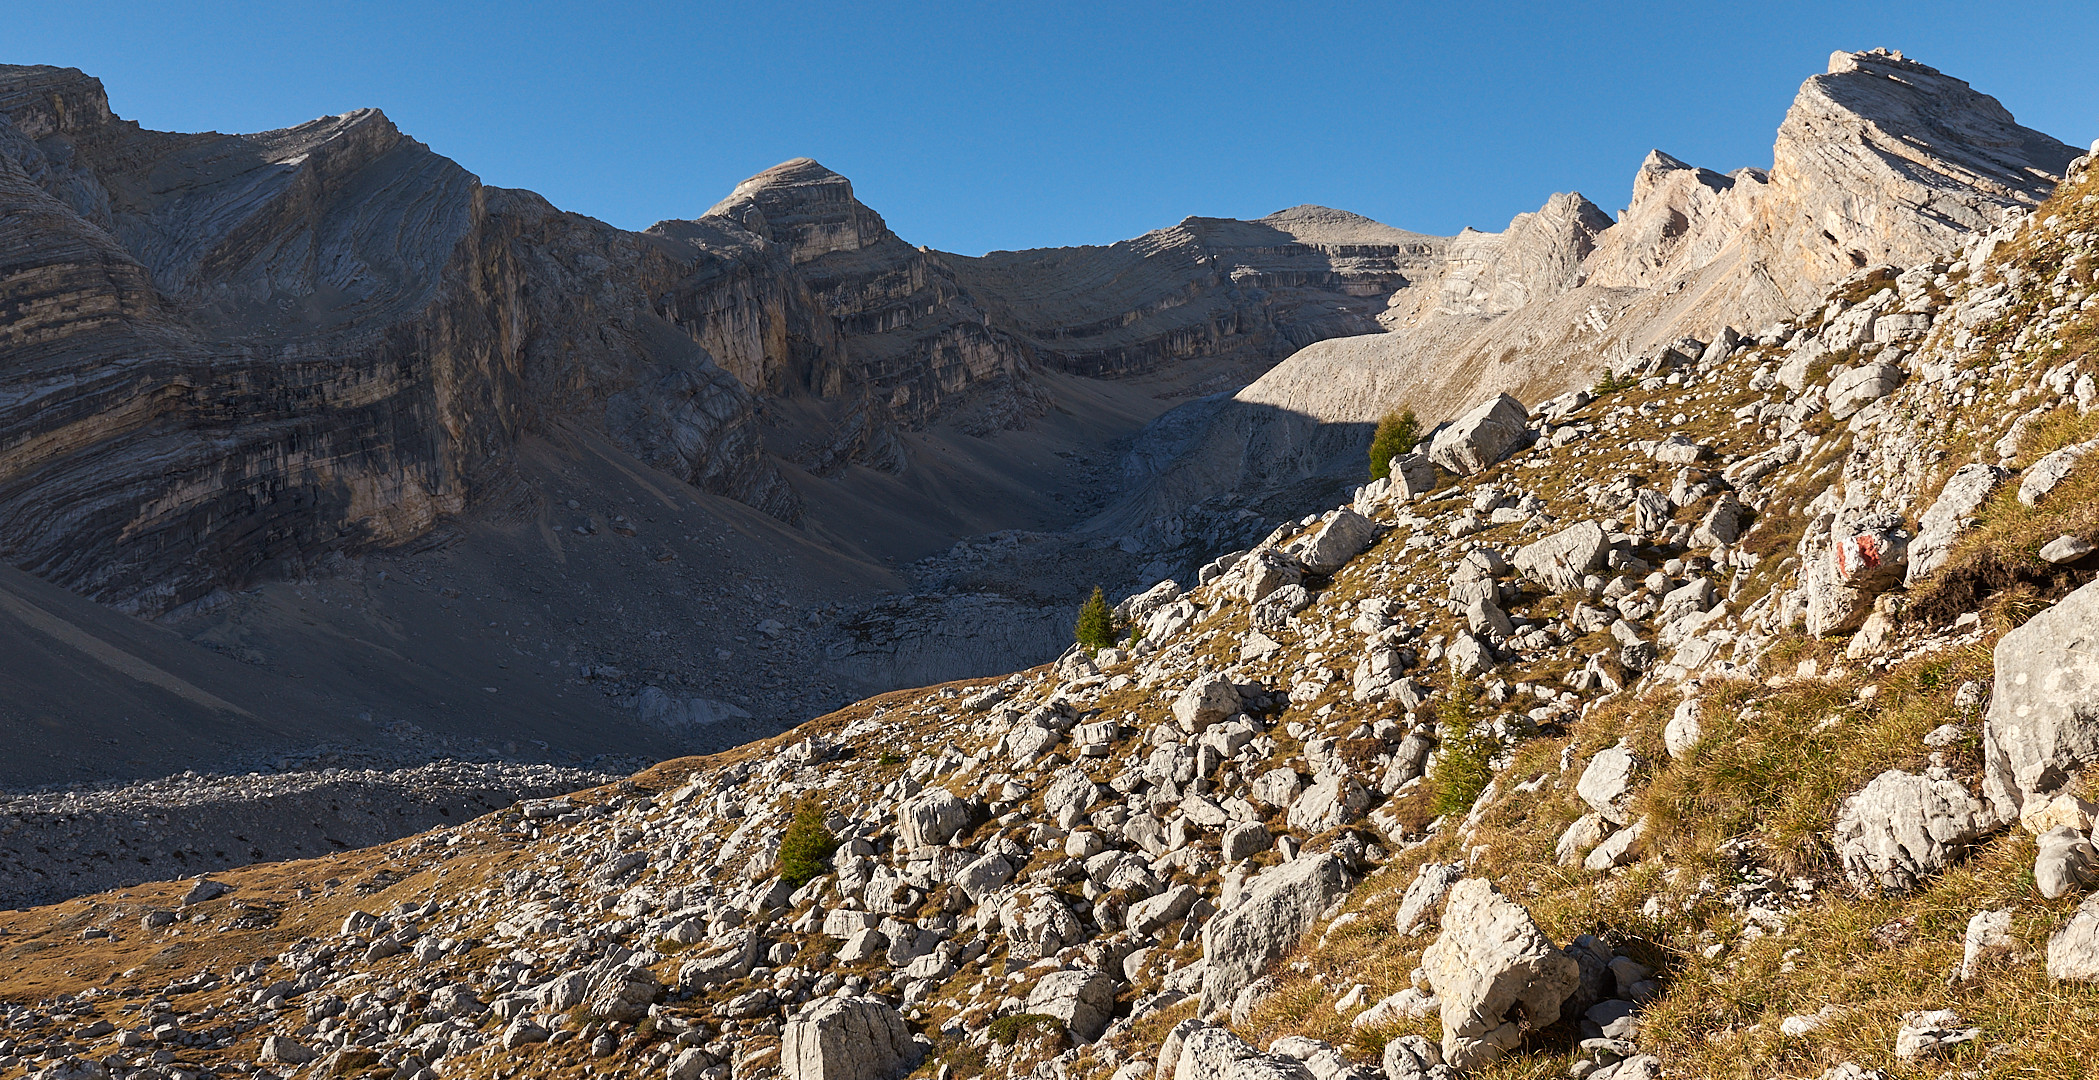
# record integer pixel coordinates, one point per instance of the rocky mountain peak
(44, 100)
(1880, 121)
(1880, 161)
(1324, 225)
(1538, 256)
(1658, 169)
(804, 207)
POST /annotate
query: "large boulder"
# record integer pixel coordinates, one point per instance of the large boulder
(1965, 492)
(2073, 953)
(1607, 784)
(1411, 1057)
(1083, 1000)
(1903, 827)
(1413, 475)
(847, 1038)
(2064, 863)
(1276, 909)
(1495, 973)
(2044, 476)
(1862, 386)
(1468, 656)
(732, 957)
(1561, 560)
(1211, 699)
(1331, 802)
(2043, 724)
(1721, 525)
(1425, 896)
(623, 994)
(1343, 537)
(933, 818)
(1139, 607)
(1489, 432)
(1867, 552)
(1214, 1053)
(1264, 572)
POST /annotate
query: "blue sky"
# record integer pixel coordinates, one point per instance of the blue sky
(1006, 125)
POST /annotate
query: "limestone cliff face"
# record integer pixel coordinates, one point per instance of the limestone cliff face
(1250, 291)
(921, 335)
(227, 353)
(1879, 160)
(912, 336)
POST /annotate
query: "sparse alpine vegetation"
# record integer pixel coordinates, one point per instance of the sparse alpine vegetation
(1396, 434)
(1732, 723)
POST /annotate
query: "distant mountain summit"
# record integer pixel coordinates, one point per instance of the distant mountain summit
(1880, 160)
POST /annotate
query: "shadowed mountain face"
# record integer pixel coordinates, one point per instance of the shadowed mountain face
(228, 361)
(697, 456)
(233, 354)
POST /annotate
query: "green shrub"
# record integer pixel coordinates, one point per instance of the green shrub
(1467, 761)
(1006, 1030)
(1396, 434)
(1096, 626)
(805, 845)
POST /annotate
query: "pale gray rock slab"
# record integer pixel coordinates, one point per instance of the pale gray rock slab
(1484, 616)
(1264, 572)
(1273, 912)
(2044, 476)
(1562, 560)
(1212, 1053)
(1468, 656)
(2042, 728)
(1413, 475)
(1413, 1057)
(847, 1038)
(1721, 525)
(1341, 538)
(1581, 837)
(1331, 802)
(982, 877)
(1678, 450)
(1244, 840)
(1278, 787)
(2073, 951)
(1684, 729)
(1212, 698)
(2066, 549)
(1495, 973)
(1607, 784)
(1424, 896)
(931, 818)
(1934, 1031)
(1989, 934)
(1692, 598)
(1861, 386)
(280, 1050)
(1070, 794)
(1481, 436)
(1617, 849)
(2064, 863)
(1151, 914)
(1084, 1001)
(1965, 492)
(623, 994)
(1902, 828)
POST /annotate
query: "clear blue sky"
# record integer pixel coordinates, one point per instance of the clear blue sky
(1007, 125)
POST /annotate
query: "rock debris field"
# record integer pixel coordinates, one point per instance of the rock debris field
(1457, 778)
(1730, 718)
